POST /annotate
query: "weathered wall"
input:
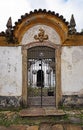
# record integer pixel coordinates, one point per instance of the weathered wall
(11, 75)
(72, 70)
(10, 71)
(72, 76)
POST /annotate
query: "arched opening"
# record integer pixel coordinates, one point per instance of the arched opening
(40, 78)
(51, 66)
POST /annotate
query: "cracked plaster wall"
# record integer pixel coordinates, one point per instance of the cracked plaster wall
(10, 71)
(72, 70)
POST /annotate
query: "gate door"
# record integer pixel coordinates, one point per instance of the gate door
(41, 76)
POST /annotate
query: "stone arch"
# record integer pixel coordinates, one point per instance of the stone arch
(43, 17)
(56, 31)
(45, 43)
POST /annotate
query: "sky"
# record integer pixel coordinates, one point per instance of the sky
(16, 8)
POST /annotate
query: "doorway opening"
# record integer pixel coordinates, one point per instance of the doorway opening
(40, 78)
(41, 85)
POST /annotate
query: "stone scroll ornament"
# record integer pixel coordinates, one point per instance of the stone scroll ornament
(41, 36)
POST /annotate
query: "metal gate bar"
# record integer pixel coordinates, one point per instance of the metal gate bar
(41, 58)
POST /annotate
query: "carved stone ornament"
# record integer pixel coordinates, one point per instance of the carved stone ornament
(41, 35)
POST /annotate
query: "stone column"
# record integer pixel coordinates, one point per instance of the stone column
(24, 77)
(58, 75)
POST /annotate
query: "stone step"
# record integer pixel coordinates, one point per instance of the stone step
(45, 111)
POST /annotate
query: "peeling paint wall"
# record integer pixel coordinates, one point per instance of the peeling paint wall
(10, 71)
(72, 70)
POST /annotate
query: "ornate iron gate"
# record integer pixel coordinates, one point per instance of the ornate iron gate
(41, 76)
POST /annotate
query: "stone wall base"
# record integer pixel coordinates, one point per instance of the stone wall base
(72, 101)
(10, 101)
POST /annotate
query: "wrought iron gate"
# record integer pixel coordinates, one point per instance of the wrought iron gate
(41, 76)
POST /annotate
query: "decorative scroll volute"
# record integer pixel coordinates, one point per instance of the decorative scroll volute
(41, 36)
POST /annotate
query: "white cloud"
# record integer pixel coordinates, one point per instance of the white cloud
(13, 8)
(36, 4)
(16, 8)
(68, 7)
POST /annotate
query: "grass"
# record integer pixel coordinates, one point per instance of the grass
(9, 117)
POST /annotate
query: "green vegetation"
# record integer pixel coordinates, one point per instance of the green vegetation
(8, 118)
(7, 121)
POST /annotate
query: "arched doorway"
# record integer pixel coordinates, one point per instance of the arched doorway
(28, 60)
(27, 31)
(41, 76)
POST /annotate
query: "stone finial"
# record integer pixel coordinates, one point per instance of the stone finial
(9, 32)
(72, 29)
(72, 21)
(9, 27)
(9, 23)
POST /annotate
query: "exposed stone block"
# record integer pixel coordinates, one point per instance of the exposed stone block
(10, 101)
(57, 127)
(45, 126)
(72, 101)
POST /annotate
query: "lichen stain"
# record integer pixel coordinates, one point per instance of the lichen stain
(76, 56)
(15, 69)
(69, 67)
(9, 67)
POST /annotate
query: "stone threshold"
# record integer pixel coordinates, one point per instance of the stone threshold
(44, 111)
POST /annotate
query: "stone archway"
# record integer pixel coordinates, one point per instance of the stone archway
(57, 66)
(41, 28)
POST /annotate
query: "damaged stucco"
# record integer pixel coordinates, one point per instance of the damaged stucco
(72, 70)
(10, 71)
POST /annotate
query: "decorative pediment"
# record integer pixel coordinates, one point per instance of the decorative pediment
(41, 17)
(40, 33)
(41, 26)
